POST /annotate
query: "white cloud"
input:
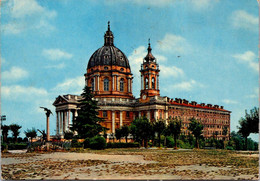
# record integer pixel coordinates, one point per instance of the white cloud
(27, 15)
(248, 58)
(244, 20)
(228, 101)
(14, 74)
(173, 44)
(21, 93)
(56, 54)
(203, 4)
(185, 86)
(255, 94)
(70, 86)
(169, 71)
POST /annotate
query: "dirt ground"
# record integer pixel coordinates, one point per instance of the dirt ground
(132, 164)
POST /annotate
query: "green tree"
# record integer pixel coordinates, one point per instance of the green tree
(87, 123)
(125, 130)
(141, 130)
(159, 128)
(15, 129)
(196, 128)
(30, 133)
(5, 129)
(224, 132)
(174, 128)
(118, 134)
(68, 135)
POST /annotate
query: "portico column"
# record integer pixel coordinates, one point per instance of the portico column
(94, 83)
(68, 119)
(64, 121)
(113, 121)
(140, 115)
(113, 85)
(60, 124)
(121, 119)
(148, 115)
(155, 114)
(76, 113)
(57, 123)
(166, 114)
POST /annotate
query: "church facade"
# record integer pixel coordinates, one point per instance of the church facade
(109, 76)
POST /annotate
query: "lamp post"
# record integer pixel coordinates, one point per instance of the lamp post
(3, 118)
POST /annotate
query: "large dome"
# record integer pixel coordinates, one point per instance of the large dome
(108, 54)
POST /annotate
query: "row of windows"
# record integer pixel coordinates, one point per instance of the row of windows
(106, 84)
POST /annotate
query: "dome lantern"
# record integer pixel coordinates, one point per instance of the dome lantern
(108, 37)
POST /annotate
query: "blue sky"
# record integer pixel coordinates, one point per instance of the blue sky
(46, 45)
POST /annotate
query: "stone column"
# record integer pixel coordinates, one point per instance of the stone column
(121, 119)
(129, 85)
(157, 82)
(48, 128)
(98, 82)
(113, 121)
(94, 83)
(76, 113)
(57, 123)
(113, 85)
(140, 114)
(86, 81)
(149, 81)
(166, 114)
(155, 114)
(69, 119)
(148, 115)
(64, 121)
(61, 122)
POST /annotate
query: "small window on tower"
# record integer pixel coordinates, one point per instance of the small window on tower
(122, 69)
(105, 68)
(146, 83)
(92, 85)
(122, 85)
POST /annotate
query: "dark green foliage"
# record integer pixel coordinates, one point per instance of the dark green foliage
(76, 144)
(15, 130)
(5, 129)
(125, 130)
(238, 143)
(123, 145)
(174, 129)
(249, 124)
(141, 129)
(87, 123)
(159, 128)
(118, 134)
(68, 135)
(86, 143)
(30, 133)
(196, 128)
(97, 143)
(17, 146)
(169, 142)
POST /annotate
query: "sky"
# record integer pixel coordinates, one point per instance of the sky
(207, 51)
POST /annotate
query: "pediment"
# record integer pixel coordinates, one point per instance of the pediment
(60, 100)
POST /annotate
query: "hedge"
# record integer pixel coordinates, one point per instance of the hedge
(14, 146)
(123, 145)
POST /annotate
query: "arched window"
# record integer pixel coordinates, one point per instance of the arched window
(153, 83)
(106, 84)
(92, 85)
(146, 83)
(122, 85)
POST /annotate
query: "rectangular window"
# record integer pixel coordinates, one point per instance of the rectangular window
(104, 114)
(127, 114)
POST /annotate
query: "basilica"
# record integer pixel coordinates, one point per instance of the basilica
(109, 75)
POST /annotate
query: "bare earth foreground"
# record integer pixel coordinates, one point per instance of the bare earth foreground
(132, 164)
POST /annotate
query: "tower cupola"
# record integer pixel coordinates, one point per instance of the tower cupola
(108, 37)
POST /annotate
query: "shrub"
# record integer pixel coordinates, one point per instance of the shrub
(123, 145)
(184, 145)
(3, 146)
(86, 143)
(169, 142)
(97, 143)
(229, 148)
(76, 144)
(17, 146)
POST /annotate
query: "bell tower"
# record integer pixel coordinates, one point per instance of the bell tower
(149, 75)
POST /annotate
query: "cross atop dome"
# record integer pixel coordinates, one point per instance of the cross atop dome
(108, 37)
